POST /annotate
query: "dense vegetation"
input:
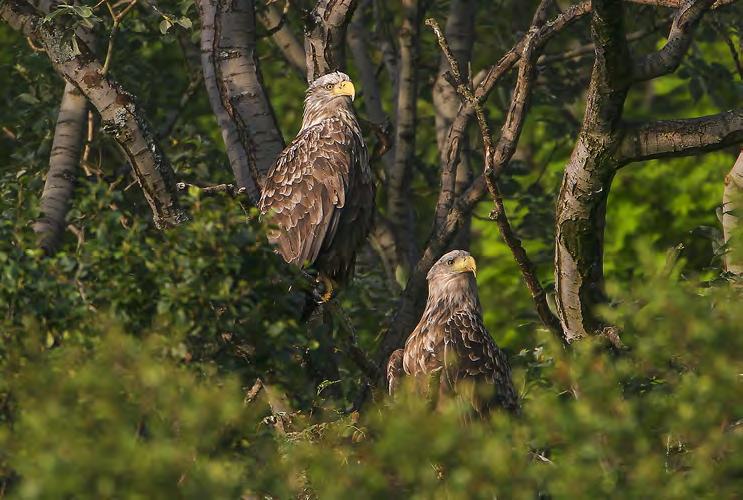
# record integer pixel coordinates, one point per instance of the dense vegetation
(144, 363)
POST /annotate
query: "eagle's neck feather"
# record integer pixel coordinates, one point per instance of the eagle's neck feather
(447, 295)
(317, 110)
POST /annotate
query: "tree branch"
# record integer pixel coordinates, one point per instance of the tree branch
(492, 77)
(496, 157)
(121, 117)
(413, 297)
(282, 35)
(667, 59)
(672, 138)
(457, 177)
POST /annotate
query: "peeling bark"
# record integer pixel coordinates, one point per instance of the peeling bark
(581, 205)
(732, 204)
(241, 89)
(64, 163)
(237, 154)
(605, 143)
(325, 36)
(120, 115)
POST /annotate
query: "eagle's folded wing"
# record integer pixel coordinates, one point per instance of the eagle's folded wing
(306, 189)
(471, 356)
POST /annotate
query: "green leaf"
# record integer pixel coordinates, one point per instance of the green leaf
(185, 22)
(28, 98)
(84, 11)
(165, 26)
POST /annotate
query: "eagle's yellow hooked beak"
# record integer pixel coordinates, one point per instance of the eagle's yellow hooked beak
(345, 88)
(467, 264)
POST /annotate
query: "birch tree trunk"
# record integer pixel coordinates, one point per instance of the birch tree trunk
(236, 93)
(732, 204)
(399, 202)
(64, 163)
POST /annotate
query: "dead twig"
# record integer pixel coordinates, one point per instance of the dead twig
(498, 155)
(238, 194)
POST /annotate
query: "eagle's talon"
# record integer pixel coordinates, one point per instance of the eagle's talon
(324, 291)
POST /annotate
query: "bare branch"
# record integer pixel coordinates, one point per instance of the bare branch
(457, 176)
(239, 194)
(667, 59)
(282, 35)
(116, 18)
(590, 48)
(497, 156)
(492, 77)
(731, 46)
(672, 138)
(121, 116)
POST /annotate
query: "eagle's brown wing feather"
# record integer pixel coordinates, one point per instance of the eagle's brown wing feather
(471, 356)
(306, 189)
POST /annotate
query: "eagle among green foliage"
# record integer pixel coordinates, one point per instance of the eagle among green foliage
(319, 194)
(450, 345)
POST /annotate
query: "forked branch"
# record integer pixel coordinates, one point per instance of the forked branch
(497, 156)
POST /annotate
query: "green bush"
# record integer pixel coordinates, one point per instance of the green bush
(136, 414)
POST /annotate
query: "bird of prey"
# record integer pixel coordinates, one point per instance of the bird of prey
(450, 350)
(319, 194)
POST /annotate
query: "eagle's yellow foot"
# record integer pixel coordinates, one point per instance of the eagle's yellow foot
(325, 290)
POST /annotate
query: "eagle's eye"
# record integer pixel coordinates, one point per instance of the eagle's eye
(329, 86)
(450, 262)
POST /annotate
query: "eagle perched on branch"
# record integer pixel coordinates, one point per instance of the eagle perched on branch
(319, 194)
(450, 346)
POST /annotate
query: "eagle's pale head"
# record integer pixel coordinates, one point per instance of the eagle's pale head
(329, 95)
(332, 86)
(452, 284)
(452, 264)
